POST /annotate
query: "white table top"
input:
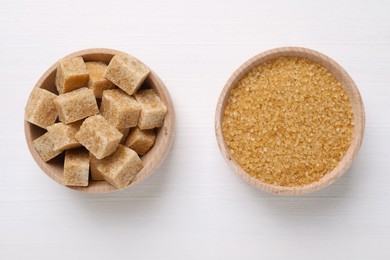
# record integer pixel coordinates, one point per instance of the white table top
(194, 207)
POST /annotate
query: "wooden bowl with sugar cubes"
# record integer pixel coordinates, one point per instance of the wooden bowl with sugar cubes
(290, 121)
(99, 120)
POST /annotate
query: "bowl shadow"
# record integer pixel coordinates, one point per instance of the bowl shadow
(326, 202)
(135, 202)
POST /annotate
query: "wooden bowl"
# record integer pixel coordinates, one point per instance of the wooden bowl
(152, 160)
(353, 94)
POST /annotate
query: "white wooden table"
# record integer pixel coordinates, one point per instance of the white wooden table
(194, 207)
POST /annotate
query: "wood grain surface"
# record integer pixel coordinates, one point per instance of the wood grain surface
(194, 206)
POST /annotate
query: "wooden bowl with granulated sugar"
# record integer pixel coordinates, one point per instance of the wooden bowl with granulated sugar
(152, 160)
(261, 149)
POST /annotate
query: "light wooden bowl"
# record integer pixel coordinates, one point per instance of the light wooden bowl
(353, 94)
(152, 160)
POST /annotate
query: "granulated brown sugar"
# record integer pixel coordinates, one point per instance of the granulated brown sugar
(288, 122)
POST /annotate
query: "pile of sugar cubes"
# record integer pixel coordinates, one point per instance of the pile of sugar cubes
(105, 142)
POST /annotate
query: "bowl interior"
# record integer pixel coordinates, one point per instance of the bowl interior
(340, 74)
(151, 160)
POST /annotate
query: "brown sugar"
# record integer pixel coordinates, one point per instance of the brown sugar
(120, 168)
(89, 119)
(153, 109)
(76, 105)
(140, 140)
(64, 135)
(44, 145)
(126, 72)
(40, 109)
(76, 167)
(120, 109)
(98, 136)
(97, 82)
(288, 122)
(71, 74)
(125, 133)
(94, 163)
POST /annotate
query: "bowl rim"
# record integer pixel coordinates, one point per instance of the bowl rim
(158, 152)
(353, 94)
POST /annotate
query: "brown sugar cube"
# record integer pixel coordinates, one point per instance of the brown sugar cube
(98, 136)
(94, 163)
(121, 110)
(45, 147)
(153, 109)
(120, 168)
(71, 74)
(140, 140)
(64, 135)
(76, 105)
(125, 133)
(97, 82)
(40, 109)
(76, 167)
(126, 72)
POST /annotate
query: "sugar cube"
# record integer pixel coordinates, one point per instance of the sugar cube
(120, 168)
(126, 72)
(64, 135)
(97, 82)
(94, 163)
(98, 136)
(120, 109)
(40, 109)
(45, 147)
(140, 140)
(71, 74)
(125, 133)
(153, 109)
(76, 167)
(76, 105)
